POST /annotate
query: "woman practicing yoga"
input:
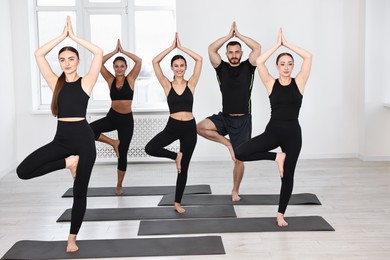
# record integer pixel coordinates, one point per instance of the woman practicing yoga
(181, 124)
(283, 130)
(120, 116)
(73, 146)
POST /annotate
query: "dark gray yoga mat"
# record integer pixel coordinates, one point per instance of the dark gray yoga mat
(141, 190)
(255, 199)
(204, 245)
(104, 214)
(197, 226)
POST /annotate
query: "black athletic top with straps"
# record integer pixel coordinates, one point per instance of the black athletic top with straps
(285, 101)
(72, 100)
(236, 84)
(180, 103)
(123, 93)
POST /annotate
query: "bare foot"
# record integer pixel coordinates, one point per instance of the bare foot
(115, 145)
(119, 191)
(231, 151)
(179, 209)
(71, 247)
(280, 157)
(235, 196)
(71, 164)
(280, 220)
(178, 161)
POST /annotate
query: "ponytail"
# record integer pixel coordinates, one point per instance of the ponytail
(56, 92)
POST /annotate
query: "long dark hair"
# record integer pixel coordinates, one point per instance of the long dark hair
(60, 82)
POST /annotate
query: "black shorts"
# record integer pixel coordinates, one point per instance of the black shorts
(239, 128)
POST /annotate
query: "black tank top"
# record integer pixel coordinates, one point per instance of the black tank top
(72, 100)
(123, 93)
(180, 103)
(285, 101)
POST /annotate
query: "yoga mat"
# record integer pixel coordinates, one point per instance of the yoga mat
(204, 245)
(255, 199)
(141, 190)
(196, 226)
(217, 211)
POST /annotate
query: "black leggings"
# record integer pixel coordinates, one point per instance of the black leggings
(124, 124)
(185, 131)
(72, 138)
(287, 135)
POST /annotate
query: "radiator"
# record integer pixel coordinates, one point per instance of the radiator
(145, 128)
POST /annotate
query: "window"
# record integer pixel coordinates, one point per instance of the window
(137, 23)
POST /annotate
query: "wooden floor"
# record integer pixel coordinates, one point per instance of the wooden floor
(355, 198)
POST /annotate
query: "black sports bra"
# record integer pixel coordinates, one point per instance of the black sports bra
(123, 93)
(180, 103)
(72, 100)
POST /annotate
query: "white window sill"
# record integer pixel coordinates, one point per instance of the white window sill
(140, 109)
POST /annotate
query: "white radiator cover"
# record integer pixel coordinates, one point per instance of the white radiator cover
(146, 126)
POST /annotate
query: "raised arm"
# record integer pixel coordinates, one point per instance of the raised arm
(303, 75)
(164, 81)
(214, 56)
(193, 80)
(107, 75)
(264, 74)
(89, 80)
(133, 74)
(40, 57)
(252, 44)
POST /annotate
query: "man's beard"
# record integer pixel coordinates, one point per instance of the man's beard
(235, 61)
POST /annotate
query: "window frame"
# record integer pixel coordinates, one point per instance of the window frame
(83, 9)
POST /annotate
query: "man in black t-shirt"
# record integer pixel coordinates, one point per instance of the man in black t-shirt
(235, 80)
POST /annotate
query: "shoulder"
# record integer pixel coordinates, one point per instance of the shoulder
(247, 64)
(221, 65)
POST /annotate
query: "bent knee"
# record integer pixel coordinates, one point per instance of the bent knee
(204, 126)
(239, 154)
(149, 149)
(200, 129)
(22, 174)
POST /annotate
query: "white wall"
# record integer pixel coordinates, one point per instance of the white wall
(341, 97)
(328, 29)
(7, 104)
(32, 130)
(375, 141)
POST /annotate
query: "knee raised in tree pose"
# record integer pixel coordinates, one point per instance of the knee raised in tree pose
(120, 116)
(181, 124)
(73, 146)
(283, 130)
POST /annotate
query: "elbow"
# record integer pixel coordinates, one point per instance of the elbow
(259, 61)
(211, 49)
(37, 54)
(99, 51)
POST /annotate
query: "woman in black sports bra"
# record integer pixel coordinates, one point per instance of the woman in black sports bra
(181, 124)
(120, 116)
(283, 130)
(73, 146)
